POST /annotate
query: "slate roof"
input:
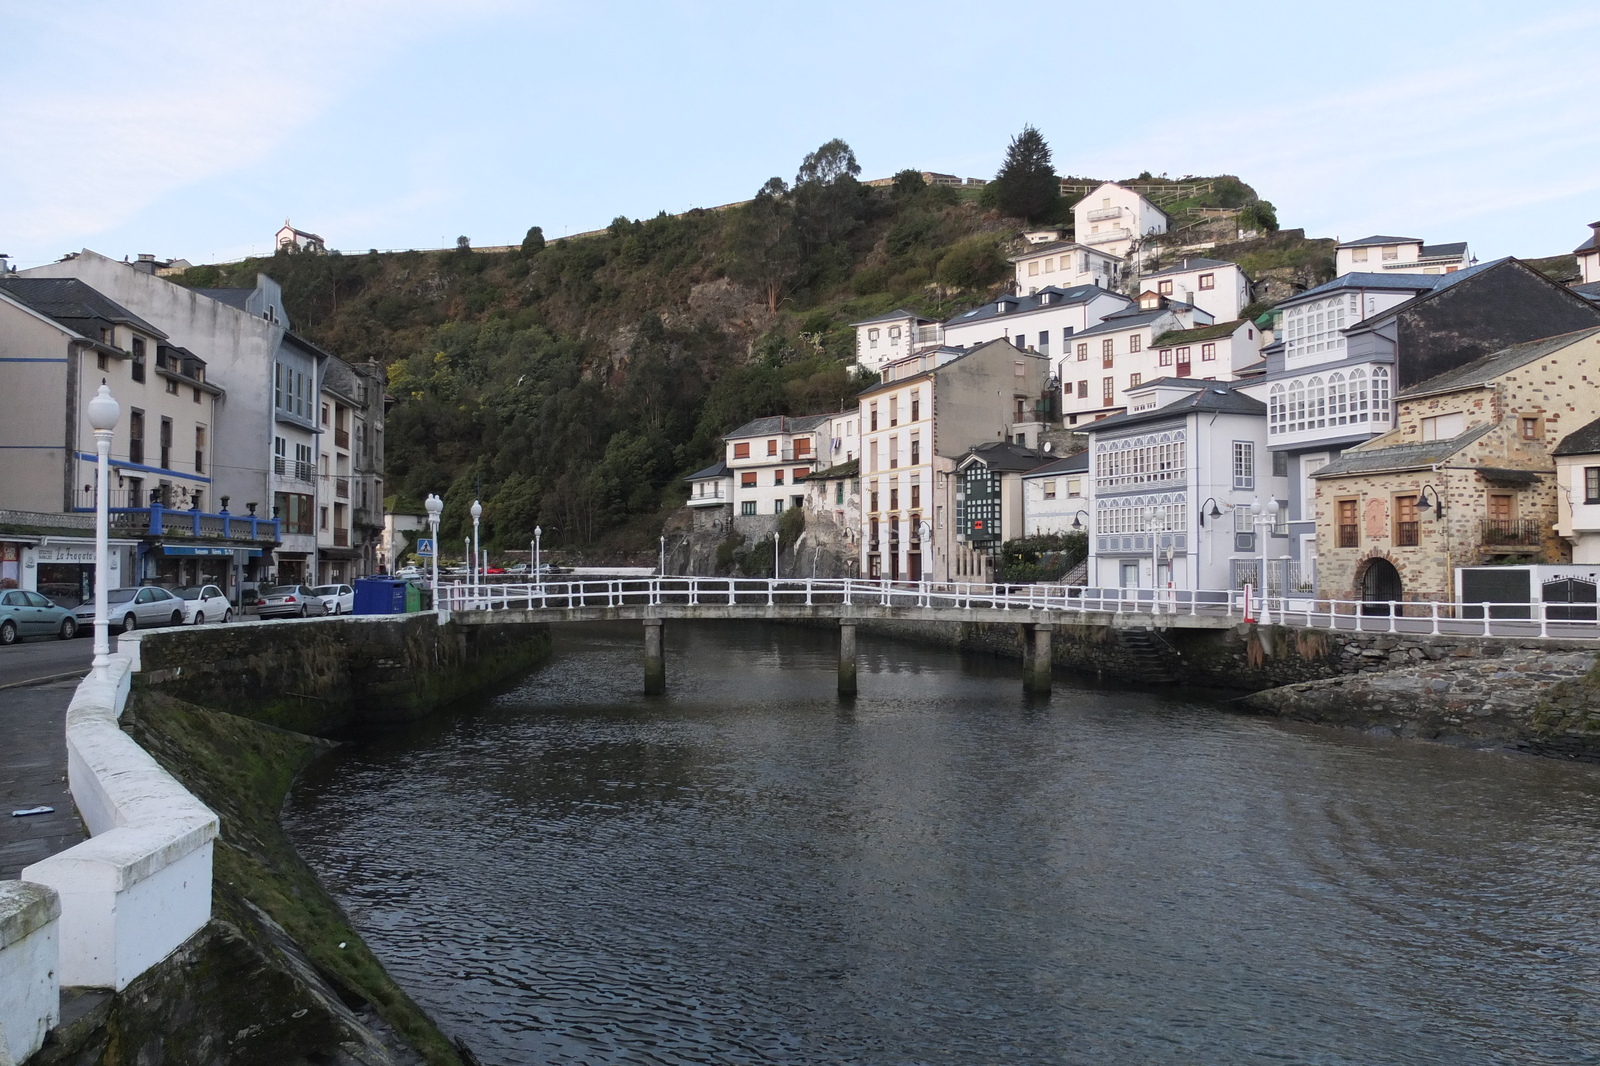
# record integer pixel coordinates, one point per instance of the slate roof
(1076, 463)
(894, 316)
(762, 427)
(1078, 294)
(1197, 263)
(1364, 460)
(1002, 455)
(1588, 245)
(1215, 398)
(1591, 291)
(232, 297)
(1199, 333)
(1367, 242)
(1432, 250)
(1484, 370)
(715, 470)
(1585, 440)
(833, 473)
(1122, 321)
(69, 300)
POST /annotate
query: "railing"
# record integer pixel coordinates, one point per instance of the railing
(1115, 233)
(157, 521)
(929, 335)
(293, 468)
(1100, 214)
(341, 438)
(1167, 606)
(1510, 533)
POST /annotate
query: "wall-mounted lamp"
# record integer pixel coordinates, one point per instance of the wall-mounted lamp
(1077, 519)
(1436, 505)
(1215, 512)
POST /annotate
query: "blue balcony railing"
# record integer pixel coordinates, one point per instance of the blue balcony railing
(156, 521)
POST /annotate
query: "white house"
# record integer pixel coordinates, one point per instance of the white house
(290, 239)
(1064, 265)
(1112, 218)
(1577, 459)
(1588, 255)
(895, 335)
(1170, 485)
(767, 458)
(1055, 496)
(1216, 352)
(1101, 363)
(1043, 322)
(1399, 255)
(1217, 287)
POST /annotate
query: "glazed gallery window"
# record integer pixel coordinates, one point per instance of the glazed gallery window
(293, 509)
(1244, 465)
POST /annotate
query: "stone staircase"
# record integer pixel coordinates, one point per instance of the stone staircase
(1148, 653)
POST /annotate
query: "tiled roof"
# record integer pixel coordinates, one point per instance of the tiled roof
(1585, 440)
(715, 470)
(762, 427)
(1486, 369)
(1367, 242)
(1432, 250)
(1215, 398)
(1021, 305)
(1199, 333)
(1003, 455)
(893, 316)
(1187, 265)
(1076, 463)
(70, 300)
(1365, 460)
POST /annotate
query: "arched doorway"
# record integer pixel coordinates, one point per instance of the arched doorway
(1380, 586)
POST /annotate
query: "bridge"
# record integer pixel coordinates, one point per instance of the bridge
(1037, 609)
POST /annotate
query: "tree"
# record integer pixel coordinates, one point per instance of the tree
(463, 244)
(1026, 185)
(761, 237)
(828, 164)
(533, 243)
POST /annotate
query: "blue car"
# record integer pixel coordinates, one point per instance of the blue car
(28, 614)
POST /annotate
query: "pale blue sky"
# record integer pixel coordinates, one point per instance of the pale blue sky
(191, 129)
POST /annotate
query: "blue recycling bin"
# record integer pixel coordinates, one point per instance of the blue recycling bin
(381, 595)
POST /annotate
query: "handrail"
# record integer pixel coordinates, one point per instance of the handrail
(1172, 606)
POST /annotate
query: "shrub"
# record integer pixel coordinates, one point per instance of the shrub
(974, 263)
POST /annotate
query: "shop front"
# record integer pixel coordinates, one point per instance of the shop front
(62, 569)
(177, 565)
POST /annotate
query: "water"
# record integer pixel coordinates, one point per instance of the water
(946, 872)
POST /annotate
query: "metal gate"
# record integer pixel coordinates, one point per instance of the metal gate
(1570, 599)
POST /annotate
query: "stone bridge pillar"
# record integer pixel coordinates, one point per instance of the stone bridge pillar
(655, 660)
(847, 658)
(1036, 658)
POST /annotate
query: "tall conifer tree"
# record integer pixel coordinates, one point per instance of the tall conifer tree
(1026, 185)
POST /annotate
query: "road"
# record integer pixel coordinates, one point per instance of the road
(33, 659)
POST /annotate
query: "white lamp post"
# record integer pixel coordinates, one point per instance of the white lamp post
(477, 564)
(435, 506)
(103, 414)
(663, 571)
(538, 531)
(1265, 518)
(1150, 516)
(775, 549)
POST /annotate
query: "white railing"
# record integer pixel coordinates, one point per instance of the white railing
(1115, 233)
(1575, 621)
(1100, 214)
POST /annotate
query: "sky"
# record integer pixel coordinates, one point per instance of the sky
(195, 129)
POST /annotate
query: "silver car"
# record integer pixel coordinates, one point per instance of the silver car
(289, 601)
(130, 609)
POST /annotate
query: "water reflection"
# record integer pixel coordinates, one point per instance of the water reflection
(946, 872)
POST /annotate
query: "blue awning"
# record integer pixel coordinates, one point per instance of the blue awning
(181, 549)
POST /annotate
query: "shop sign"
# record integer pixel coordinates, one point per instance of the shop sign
(64, 553)
(9, 552)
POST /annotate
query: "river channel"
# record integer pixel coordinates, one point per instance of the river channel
(946, 871)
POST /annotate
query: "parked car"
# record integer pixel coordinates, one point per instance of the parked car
(409, 572)
(518, 568)
(28, 614)
(204, 603)
(336, 599)
(289, 601)
(132, 608)
(494, 570)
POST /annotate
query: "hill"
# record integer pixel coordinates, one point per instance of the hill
(572, 384)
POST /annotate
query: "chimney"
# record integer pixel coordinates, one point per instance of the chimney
(146, 264)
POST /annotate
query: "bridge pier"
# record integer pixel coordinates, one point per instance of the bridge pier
(847, 658)
(1036, 658)
(655, 661)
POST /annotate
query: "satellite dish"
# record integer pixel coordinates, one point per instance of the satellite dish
(1048, 445)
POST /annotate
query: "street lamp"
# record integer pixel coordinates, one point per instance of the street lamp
(1077, 519)
(925, 546)
(662, 572)
(538, 531)
(776, 548)
(435, 506)
(1151, 515)
(1264, 519)
(477, 513)
(103, 414)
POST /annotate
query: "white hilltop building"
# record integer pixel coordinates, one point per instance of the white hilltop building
(1399, 255)
(290, 239)
(1111, 218)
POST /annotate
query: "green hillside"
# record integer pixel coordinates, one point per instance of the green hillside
(573, 383)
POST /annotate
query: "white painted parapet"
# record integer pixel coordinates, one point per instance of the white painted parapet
(141, 885)
(30, 998)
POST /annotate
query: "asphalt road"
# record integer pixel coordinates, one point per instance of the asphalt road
(35, 658)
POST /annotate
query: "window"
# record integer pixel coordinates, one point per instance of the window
(747, 479)
(1390, 252)
(1083, 390)
(1049, 487)
(1280, 466)
(1019, 411)
(1244, 465)
(136, 368)
(323, 520)
(872, 499)
(1049, 266)
(916, 450)
(324, 414)
(1591, 484)
(103, 361)
(1406, 532)
(872, 338)
(1135, 380)
(777, 477)
(799, 472)
(1136, 343)
(1164, 288)
(135, 436)
(894, 497)
(194, 394)
(172, 387)
(166, 443)
(1208, 281)
(894, 410)
(748, 507)
(916, 495)
(1107, 350)
(873, 411)
(1108, 390)
(1033, 268)
(1074, 487)
(872, 457)
(293, 509)
(894, 334)
(1530, 428)
(916, 405)
(772, 447)
(199, 449)
(1317, 327)
(838, 493)
(1358, 255)
(1208, 353)
(1183, 362)
(1349, 529)
(1443, 427)
(741, 451)
(1019, 369)
(1165, 358)
(777, 506)
(894, 452)
(1044, 342)
(1083, 352)
(802, 446)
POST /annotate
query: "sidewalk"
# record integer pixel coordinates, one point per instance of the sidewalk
(33, 772)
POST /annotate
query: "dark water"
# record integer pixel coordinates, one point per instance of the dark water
(944, 872)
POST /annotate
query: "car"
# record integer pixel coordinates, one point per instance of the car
(289, 601)
(494, 570)
(28, 614)
(204, 603)
(132, 608)
(336, 599)
(409, 572)
(518, 568)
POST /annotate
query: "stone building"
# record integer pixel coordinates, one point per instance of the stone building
(1465, 477)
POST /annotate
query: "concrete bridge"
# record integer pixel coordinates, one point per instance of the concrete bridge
(1037, 609)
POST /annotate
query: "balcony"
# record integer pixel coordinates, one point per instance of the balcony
(1105, 236)
(341, 439)
(293, 469)
(341, 487)
(159, 521)
(1513, 535)
(1100, 214)
(928, 335)
(714, 496)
